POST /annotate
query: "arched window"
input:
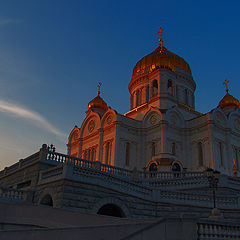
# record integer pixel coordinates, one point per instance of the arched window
(153, 149)
(137, 98)
(154, 88)
(140, 97)
(108, 152)
(111, 210)
(186, 96)
(131, 102)
(147, 93)
(127, 157)
(88, 154)
(174, 148)
(177, 92)
(221, 153)
(93, 154)
(200, 154)
(237, 158)
(170, 87)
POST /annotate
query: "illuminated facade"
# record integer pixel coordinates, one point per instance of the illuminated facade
(162, 131)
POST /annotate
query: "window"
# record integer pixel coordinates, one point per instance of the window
(154, 88)
(200, 154)
(177, 92)
(140, 97)
(147, 93)
(107, 153)
(174, 148)
(236, 158)
(221, 153)
(137, 98)
(93, 154)
(131, 102)
(153, 149)
(186, 96)
(127, 157)
(170, 87)
(88, 154)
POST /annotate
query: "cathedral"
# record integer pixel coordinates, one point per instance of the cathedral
(160, 171)
(162, 131)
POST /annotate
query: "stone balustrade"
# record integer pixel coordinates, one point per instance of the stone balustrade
(20, 164)
(218, 230)
(10, 194)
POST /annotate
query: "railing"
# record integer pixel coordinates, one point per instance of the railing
(212, 230)
(9, 194)
(107, 178)
(222, 201)
(21, 163)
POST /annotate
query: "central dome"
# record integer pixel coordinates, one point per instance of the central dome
(160, 58)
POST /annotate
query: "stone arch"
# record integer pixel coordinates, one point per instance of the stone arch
(175, 117)
(219, 117)
(152, 117)
(234, 120)
(105, 118)
(47, 200)
(178, 164)
(111, 203)
(92, 115)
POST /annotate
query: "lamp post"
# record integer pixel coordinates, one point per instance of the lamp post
(213, 178)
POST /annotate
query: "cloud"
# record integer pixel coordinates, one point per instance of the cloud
(9, 21)
(28, 114)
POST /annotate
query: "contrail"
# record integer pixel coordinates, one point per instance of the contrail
(23, 112)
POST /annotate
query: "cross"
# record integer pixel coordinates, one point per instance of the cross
(161, 41)
(99, 85)
(226, 84)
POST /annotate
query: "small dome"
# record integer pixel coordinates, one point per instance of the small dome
(229, 101)
(160, 59)
(97, 102)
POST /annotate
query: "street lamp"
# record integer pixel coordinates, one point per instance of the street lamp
(213, 178)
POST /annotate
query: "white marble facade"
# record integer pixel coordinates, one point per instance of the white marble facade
(162, 130)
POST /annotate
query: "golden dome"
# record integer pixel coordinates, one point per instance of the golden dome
(229, 101)
(160, 58)
(97, 102)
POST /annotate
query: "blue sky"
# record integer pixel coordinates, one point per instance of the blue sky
(54, 53)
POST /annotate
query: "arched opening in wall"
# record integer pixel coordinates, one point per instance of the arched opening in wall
(154, 88)
(153, 167)
(153, 170)
(111, 210)
(176, 168)
(170, 87)
(47, 200)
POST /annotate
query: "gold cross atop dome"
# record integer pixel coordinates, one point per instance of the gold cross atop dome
(99, 85)
(161, 41)
(226, 84)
